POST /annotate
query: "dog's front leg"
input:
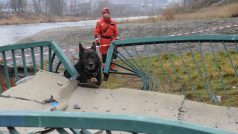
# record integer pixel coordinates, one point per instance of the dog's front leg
(93, 79)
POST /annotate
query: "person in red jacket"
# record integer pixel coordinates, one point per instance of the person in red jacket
(105, 32)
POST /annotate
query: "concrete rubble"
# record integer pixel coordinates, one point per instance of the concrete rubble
(119, 101)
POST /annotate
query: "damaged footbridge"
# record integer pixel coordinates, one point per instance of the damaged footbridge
(189, 85)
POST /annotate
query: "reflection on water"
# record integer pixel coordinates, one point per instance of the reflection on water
(10, 34)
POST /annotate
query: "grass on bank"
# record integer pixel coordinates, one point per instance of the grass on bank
(12, 19)
(225, 11)
(170, 83)
(184, 13)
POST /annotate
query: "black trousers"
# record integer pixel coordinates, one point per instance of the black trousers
(104, 57)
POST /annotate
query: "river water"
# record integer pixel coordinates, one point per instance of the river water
(9, 34)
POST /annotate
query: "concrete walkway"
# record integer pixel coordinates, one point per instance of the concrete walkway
(118, 101)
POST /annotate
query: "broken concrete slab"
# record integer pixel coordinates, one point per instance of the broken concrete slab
(118, 101)
(42, 86)
(126, 101)
(11, 104)
(209, 115)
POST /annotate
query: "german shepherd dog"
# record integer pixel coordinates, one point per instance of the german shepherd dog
(88, 67)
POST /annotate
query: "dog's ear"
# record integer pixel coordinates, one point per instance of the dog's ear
(93, 46)
(80, 47)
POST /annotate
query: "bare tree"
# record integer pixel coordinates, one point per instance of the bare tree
(14, 5)
(56, 7)
(1, 6)
(96, 7)
(84, 9)
(37, 6)
(44, 6)
(73, 7)
(18, 6)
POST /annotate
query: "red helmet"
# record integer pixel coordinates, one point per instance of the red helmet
(105, 9)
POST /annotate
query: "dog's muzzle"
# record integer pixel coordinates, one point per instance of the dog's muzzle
(91, 66)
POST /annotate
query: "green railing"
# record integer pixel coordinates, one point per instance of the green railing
(24, 55)
(200, 67)
(67, 122)
(77, 123)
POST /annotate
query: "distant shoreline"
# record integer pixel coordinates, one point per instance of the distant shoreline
(15, 19)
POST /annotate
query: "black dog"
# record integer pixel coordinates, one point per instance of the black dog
(88, 67)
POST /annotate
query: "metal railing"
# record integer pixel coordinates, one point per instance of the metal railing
(24, 55)
(77, 123)
(200, 67)
(135, 58)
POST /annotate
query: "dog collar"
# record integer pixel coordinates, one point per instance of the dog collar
(94, 73)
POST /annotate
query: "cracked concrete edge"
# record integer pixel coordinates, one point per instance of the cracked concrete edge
(180, 110)
(209, 115)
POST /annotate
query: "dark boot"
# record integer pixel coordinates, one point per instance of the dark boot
(105, 77)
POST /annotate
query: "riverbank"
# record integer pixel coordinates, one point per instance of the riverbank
(71, 36)
(13, 19)
(176, 13)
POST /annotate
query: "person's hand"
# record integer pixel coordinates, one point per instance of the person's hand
(97, 41)
(117, 38)
(98, 44)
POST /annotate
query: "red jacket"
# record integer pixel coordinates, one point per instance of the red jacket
(106, 31)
